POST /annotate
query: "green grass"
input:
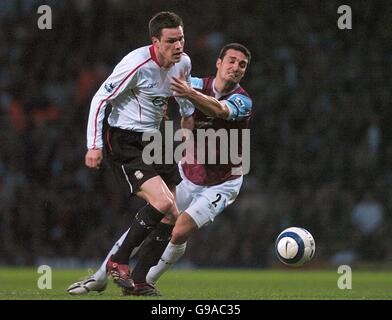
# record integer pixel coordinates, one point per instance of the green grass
(21, 284)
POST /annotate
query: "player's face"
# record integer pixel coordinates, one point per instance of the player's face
(170, 46)
(232, 67)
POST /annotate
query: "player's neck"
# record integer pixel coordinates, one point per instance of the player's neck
(224, 87)
(163, 63)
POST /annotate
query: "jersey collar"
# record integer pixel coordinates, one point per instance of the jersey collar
(153, 56)
(218, 95)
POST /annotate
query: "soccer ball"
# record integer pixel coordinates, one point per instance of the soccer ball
(295, 246)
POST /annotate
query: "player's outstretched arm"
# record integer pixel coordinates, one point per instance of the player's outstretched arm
(206, 104)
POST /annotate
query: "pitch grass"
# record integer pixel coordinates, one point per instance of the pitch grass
(21, 284)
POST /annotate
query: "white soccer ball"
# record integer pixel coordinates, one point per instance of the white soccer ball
(295, 246)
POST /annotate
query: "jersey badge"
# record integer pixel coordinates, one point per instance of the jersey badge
(239, 102)
(109, 87)
(139, 175)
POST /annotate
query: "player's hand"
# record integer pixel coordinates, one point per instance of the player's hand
(180, 87)
(94, 158)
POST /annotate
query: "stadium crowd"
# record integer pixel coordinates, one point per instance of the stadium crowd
(321, 139)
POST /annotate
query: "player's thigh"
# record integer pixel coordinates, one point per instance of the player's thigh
(124, 150)
(169, 173)
(210, 202)
(185, 193)
(156, 192)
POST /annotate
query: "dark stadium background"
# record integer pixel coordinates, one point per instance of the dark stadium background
(321, 131)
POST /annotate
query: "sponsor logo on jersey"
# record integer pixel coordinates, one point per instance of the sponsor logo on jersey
(152, 85)
(160, 101)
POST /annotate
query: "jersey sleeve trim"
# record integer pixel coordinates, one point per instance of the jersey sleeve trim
(239, 107)
(197, 83)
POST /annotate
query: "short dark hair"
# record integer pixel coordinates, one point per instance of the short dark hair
(161, 20)
(235, 46)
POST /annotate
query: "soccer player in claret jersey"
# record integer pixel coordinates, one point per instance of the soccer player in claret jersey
(138, 90)
(206, 189)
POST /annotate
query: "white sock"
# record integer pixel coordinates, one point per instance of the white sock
(170, 256)
(101, 274)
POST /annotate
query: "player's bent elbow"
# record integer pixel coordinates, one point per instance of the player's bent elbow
(222, 113)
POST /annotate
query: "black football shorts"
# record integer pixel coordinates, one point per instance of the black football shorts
(124, 151)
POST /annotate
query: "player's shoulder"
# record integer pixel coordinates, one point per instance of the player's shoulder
(138, 55)
(185, 60)
(185, 56)
(202, 83)
(241, 100)
(135, 59)
(240, 94)
(242, 91)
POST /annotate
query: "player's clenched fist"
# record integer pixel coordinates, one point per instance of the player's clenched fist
(94, 158)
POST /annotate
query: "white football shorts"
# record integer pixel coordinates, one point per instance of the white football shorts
(204, 203)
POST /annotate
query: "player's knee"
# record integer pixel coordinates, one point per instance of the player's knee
(164, 205)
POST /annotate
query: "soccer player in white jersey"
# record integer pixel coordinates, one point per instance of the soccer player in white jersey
(138, 90)
(206, 189)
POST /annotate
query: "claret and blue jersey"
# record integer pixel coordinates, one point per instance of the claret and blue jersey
(238, 101)
(240, 110)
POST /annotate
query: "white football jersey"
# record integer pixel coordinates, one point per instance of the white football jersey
(138, 90)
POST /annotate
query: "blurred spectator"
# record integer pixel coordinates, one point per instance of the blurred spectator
(368, 219)
(368, 215)
(373, 136)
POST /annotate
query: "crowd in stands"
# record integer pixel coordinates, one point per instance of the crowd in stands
(321, 138)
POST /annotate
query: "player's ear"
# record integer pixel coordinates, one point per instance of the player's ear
(154, 40)
(218, 62)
